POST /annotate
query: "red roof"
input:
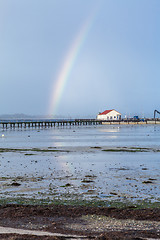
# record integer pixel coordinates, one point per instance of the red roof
(105, 112)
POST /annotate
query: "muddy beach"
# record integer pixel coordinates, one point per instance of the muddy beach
(85, 222)
(100, 182)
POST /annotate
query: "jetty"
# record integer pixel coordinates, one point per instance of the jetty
(32, 123)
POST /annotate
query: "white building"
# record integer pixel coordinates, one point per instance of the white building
(109, 115)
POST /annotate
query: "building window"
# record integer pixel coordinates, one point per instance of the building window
(111, 117)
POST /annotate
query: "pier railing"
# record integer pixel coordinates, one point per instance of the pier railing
(30, 123)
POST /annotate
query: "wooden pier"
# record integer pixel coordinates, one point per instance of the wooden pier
(46, 123)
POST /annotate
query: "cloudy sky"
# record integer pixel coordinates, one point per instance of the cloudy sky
(79, 57)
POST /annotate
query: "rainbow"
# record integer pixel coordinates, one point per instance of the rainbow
(68, 63)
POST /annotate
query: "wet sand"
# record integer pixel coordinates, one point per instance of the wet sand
(124, 174)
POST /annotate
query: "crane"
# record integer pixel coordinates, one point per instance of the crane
(156, 111)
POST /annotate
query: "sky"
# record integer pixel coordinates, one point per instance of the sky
(76, 58)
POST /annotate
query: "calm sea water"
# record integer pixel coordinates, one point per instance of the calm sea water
(101, 135)
(82, 170)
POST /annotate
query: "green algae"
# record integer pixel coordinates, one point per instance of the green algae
(139, 204)
(2, 150)
(66, 185)
(147, 182)
(29, 154)
(87, 181)
(132, 149)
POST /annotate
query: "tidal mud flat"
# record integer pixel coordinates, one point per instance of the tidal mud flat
(108, 165)
(98, 182)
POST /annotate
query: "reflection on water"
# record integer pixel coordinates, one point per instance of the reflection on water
(110, 129)
(82, 169)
